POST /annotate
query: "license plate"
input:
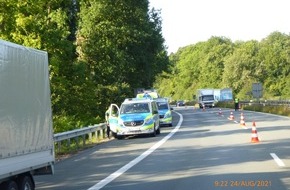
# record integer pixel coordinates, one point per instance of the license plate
(135, 131)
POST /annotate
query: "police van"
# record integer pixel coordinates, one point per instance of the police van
(164, 110)
(136, 116)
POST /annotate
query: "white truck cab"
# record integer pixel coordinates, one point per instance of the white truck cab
(205, 98)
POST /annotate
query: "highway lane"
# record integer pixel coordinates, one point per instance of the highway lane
(85, 169)
(207, 152)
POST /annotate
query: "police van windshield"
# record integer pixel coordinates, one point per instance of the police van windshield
(162, 105)
(135, 108)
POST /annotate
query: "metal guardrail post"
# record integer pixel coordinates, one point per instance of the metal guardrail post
(96, 135)
(58, 145)
(68, 142)
(84, 140)
(102, 134)
(77, 141)
(90, 137)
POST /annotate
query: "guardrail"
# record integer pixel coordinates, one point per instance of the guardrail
(267, 102)
(97, 131)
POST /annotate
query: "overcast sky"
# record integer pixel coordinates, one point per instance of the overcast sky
(187, 22)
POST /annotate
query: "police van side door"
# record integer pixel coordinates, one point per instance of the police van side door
(113, 117)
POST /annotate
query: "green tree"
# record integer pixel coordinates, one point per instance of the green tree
(121, 42)
(275, 58)
(242, 68)
(49, 25)
(196, 66)
(214, 53)
(219, 63)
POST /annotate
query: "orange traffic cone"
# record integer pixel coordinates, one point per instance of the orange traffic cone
(255, 138)
(242, 122)
(231, 116)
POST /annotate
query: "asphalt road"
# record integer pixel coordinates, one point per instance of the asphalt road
(203, 150)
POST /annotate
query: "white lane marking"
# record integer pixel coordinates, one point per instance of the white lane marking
(122, 170)
(277, 160)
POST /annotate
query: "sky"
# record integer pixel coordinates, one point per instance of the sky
(186, 22)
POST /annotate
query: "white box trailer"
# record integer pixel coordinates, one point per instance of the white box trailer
(26, 132)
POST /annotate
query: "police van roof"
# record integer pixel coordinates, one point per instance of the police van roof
(131, 100)
(160, 99)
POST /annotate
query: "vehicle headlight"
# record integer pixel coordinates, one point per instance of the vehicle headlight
(167, 115)
(120, 122)
(148, 121)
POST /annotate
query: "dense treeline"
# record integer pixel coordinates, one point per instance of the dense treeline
(220, 63)
(99, 51)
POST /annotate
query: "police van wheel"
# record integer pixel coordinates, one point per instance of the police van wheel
(158, 131)
(114, 135)
(154, 132)
(119, 137)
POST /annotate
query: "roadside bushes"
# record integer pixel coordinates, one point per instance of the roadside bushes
(277, 109)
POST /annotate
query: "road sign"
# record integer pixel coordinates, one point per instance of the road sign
(257, 90)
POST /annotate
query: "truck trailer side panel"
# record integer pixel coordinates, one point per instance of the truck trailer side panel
(26, 132)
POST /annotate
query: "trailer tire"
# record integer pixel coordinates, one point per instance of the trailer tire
(26, 183)
(10, 185)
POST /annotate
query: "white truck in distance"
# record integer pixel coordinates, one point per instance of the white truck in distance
(26, 133)
(205, 98)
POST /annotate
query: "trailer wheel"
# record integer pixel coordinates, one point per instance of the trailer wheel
(26, 183)
(11, 185)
